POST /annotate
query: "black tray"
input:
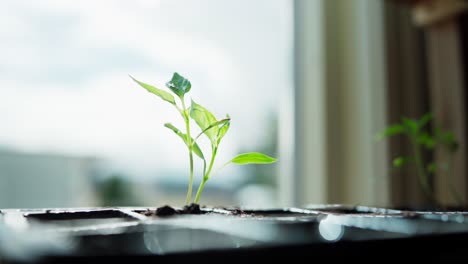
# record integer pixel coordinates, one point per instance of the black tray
(324, 231)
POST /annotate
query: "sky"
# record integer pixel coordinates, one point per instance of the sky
(64, 84)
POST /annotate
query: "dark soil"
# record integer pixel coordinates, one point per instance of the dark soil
(167, 210)
(195, 209)
(192, 208)
(71, 215)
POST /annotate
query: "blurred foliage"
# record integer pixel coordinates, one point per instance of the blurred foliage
(116, 191)
(424, 139)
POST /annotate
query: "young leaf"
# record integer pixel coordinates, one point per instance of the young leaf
(175, 129)
(161, 93)
(215, 124)
(179, 85)
(223, 129)
(253, 158)
(392, 130)
(195, 148)
(204, 119)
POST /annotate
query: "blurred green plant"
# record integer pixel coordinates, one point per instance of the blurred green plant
(422, 139)
(211, 127)
(116, 191)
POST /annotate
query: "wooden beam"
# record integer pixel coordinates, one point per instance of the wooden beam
(447, 86)
(430, 12)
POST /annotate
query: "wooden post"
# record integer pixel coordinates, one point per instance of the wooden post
(447, 89)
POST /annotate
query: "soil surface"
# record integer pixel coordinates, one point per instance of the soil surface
(167, 210)
(192, 209)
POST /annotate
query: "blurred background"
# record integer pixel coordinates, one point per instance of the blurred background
(308, 81)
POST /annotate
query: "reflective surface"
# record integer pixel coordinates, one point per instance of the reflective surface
(137, 231)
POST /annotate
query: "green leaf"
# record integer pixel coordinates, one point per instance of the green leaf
(392, 130)
(161, 93)
(447, 139)
(433, 167)
(175, 129)
(411, 126)
(204, 119)
(179, 85)
(221, 122)
(425, 119)
(195, 148)
(253, 158)
(426, 140)
(224, 129)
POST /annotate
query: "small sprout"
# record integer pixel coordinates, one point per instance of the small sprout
(422, 138)
(212, 128)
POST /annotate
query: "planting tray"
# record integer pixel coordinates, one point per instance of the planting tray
(166, 234)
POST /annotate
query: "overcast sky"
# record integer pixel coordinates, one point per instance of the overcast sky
(64, 66)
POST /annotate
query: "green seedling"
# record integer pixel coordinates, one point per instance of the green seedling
(209, 126)
(423, 139)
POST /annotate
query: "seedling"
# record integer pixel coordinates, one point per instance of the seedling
(422, 139)
(209, 126)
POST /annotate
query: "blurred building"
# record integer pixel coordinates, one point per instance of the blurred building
(45, 180)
